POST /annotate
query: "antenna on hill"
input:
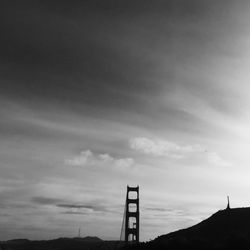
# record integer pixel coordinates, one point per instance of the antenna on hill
(228, 203)
(79, 232)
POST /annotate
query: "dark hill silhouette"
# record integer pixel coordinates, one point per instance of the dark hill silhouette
(18, 241)
(226, 229)
(84, 239)
(217, 227)
(78, 243)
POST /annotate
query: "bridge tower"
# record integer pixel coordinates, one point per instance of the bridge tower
(132, 215)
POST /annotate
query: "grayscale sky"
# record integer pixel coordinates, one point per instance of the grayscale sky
(95, 95)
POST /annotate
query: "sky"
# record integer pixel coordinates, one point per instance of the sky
(98, 95)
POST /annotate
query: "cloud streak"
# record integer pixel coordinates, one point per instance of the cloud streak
(71, 208)
(164, 148)
(83, 208)
(88, 158)
(45, 200)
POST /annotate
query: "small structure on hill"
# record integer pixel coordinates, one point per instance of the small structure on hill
(228, 203)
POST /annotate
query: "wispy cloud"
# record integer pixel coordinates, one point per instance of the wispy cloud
(82, 208)
(68, 206)
(74, 213)
(171, 149)
(46, 200)
(217, 160)
(76, 206)
(88, 158)
(163, 147)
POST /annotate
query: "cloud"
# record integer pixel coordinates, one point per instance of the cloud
(70, 208)
(93, 207)
(45, 200)
(157, 209)
(82, 208)
(75, 213)
(88, 158)
(217, 160)
(163, 147)
(170, 149)
(76, 206)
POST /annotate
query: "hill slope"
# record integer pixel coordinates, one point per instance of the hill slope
(220, 225)
(226, 229)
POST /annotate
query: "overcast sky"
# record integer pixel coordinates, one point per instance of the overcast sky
(95, 95)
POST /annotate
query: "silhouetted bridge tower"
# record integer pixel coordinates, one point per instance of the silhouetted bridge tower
(130, 224)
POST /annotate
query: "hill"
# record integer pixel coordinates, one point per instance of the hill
(217, 227)
(226, 229)
(86, 243)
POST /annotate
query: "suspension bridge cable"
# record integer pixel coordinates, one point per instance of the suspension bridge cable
(122, 235)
